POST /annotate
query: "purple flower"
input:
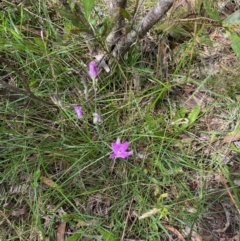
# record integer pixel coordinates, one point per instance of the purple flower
(97, 118)
(79, 112)
(92, 70)
(120, 149)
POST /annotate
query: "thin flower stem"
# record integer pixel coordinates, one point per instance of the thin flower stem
(113, 165)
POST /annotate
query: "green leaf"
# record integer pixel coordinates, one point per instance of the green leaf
(213, 13)
(107, 235)
(193, 115)
(36, 177)
(74, 237)
(234, 19)
(154, 180)
(39, 43)
(181, 113)
(163, 212)
(87, 7)
(231, 23)
(235, 42)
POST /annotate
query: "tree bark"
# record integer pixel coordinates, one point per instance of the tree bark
(152, 17)
(115, 7)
